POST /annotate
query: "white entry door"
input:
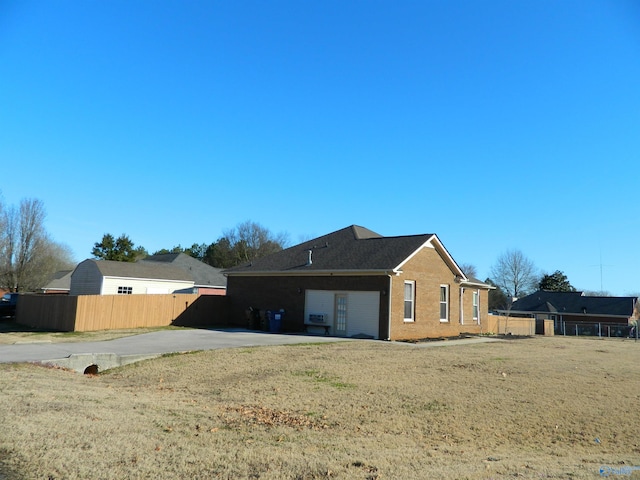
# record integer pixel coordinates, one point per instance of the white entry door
(340, 326)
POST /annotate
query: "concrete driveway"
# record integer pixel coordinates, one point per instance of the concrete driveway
(93, 357)
(122, 351)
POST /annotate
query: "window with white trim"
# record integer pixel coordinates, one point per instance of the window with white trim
(125, 290)
(444, 303)
(476, 305)
(409, 300)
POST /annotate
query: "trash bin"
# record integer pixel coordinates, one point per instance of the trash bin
(268, 320)
(275, 321)
(253, 318)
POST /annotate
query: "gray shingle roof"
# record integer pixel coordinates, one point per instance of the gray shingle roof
(351, 249)
(158, 271)
(203, 275)
(60, 280)
(574, 303)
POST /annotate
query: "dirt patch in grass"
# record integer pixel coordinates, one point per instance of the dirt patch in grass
(536, 408)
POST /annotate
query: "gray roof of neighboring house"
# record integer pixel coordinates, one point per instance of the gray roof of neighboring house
(153, 270)
(351, 249)
(60, 280)
(574, 303)
(203, 275)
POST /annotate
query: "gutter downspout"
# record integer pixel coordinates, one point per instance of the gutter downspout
(389, 301)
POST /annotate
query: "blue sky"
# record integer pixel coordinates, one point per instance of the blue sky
(496, 125)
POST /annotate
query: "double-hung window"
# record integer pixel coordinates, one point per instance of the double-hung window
(444, 303)
(476, 305)
(409, 301)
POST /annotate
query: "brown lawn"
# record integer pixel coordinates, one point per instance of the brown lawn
(520, 408)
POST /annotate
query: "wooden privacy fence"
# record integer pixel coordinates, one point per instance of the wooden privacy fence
(106, 312)
(504, 325)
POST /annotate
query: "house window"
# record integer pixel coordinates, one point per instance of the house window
(476, 305)
(444, 303)
(409, 301)
(125, 290)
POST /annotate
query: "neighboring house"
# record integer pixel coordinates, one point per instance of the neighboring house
(105, 277)
(576, 308)
(357, 283)
(60, 283)
(207, 279)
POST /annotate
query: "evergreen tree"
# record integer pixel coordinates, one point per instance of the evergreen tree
(120, 249)
(556, 282)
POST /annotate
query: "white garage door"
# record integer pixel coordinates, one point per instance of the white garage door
(362, 310)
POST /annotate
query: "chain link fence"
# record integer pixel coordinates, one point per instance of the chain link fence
(608, 330)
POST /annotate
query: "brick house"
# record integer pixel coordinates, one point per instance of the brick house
(357, 283)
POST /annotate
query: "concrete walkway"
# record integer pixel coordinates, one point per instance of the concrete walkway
(449, 343)
(102, 355)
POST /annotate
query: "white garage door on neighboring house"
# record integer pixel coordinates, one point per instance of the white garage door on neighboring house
(349, 313)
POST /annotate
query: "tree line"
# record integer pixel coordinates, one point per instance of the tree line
(29, 256)
(241, 244)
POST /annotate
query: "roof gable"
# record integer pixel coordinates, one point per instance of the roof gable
(351, 249)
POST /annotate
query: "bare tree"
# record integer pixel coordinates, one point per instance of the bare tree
(249, 240)
(469, 269)
(50, 257)
(514, 273)
(28, 257)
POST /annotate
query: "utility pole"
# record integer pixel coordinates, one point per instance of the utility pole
(601, 265)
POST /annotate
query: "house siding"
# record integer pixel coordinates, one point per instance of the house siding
(289, 293)
(211, 291)
(429, 271)
(143, 286)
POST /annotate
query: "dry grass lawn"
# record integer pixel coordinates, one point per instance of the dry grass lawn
(520, 408)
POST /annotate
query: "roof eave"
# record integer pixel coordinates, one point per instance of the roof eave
(311, 273)
(477, 284)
